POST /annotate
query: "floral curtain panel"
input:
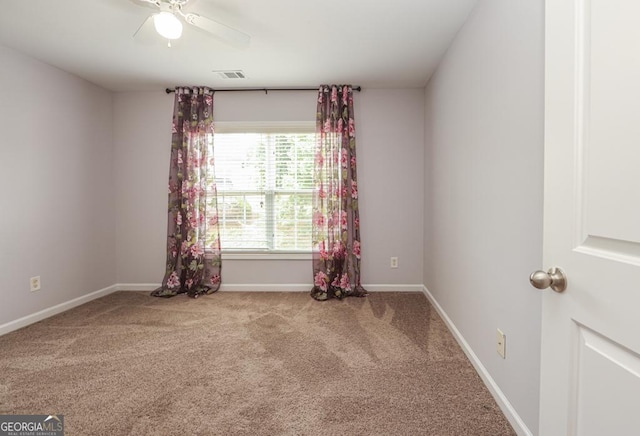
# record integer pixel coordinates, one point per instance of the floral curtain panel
(336, 220)
(193, 242)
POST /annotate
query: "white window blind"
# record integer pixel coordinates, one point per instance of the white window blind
(264, 179)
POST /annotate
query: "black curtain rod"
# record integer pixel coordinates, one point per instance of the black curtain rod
(265, 90)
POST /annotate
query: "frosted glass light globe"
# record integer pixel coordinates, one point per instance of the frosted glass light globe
(167, 25)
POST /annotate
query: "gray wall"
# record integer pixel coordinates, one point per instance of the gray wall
(58, 215)
(483, 190)
(390, 129)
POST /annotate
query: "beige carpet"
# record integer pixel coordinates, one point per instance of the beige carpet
(247, 364)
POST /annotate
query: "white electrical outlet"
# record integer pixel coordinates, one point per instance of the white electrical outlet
(394, 262)
(34, 283)
(501, 346)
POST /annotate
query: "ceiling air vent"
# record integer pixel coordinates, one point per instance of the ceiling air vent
(231, 74)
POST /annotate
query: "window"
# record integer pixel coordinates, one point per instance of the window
(264, 179)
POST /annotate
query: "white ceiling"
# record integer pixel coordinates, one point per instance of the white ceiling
(295, 43)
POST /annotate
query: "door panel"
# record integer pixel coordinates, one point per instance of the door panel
(609, 116)
(590, 369)
(597, 409)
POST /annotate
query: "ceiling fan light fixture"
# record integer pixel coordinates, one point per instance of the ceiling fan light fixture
(167, 25)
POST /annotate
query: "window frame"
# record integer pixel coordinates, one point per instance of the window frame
(266, 127)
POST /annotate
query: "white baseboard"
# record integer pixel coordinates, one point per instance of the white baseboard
(393, 288)
(253, 287)
(518, 425)
(306, 287)
(58, 308)
(136, 286)
(256, 287)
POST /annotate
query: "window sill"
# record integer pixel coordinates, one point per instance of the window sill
(267, 256)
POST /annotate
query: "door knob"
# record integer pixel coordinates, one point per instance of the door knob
(554, 279)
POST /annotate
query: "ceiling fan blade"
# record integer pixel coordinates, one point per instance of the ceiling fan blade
(156, 3)
(222, 31)
(142, 25)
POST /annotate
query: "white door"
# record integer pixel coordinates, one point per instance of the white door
(590, 377)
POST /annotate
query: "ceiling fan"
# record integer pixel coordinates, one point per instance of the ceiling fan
(169, 26)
